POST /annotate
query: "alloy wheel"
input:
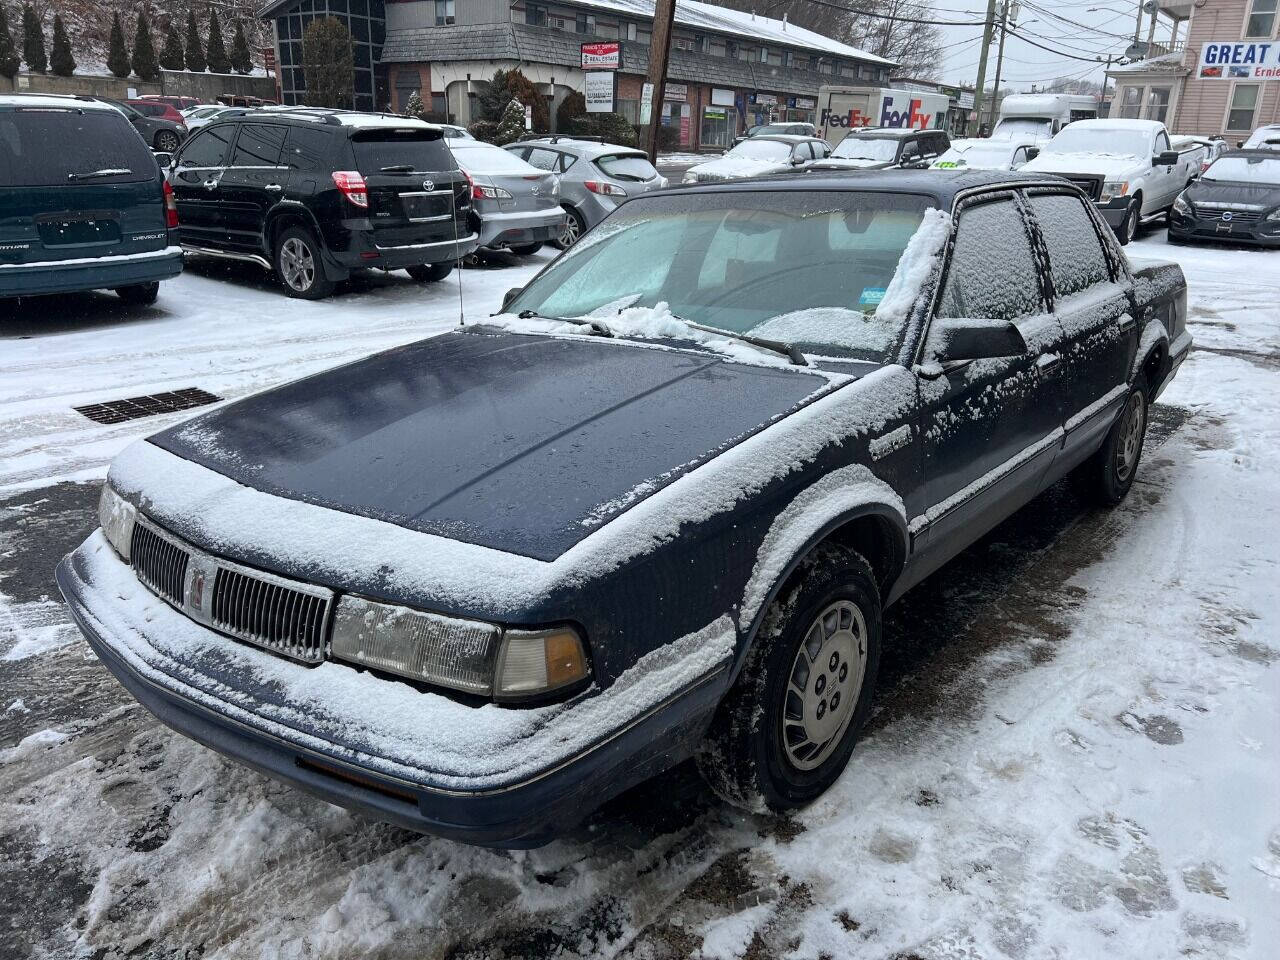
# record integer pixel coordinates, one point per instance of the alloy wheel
(167, 142)
(824, 686)
(1131, 430)
(297, 264)
(569, 235)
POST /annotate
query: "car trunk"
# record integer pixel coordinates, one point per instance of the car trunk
(416, 193)
(98, 194)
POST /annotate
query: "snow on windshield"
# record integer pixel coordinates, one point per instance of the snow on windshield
(977, 153)
(1116, 141)
(854, 147)
(1022, 127)
(1260, 170)
(761, 150)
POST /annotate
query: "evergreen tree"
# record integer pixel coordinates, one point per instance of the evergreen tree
(117, 52)
(414, 107)
(171, 57)
(195, 49)
(328, 63)
(145, 64)
(61, 58)
(512, 84)
(9, 59)
(216, 50)
(241, 58)
(511, 126)
(33, 41)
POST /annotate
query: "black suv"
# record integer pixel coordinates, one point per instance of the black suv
(314, 194)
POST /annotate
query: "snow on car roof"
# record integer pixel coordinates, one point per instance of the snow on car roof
(1116, 123)
(691, 13)
(52, 100)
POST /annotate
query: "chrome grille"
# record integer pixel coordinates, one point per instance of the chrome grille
(160, 563)
(1218, 212)
(270, 614)
(1090, 185)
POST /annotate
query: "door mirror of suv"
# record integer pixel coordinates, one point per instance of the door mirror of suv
(508, 297)
(1032, 153)
(1166, 158)
(976, 340)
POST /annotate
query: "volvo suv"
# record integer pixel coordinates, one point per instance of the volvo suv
(314, 194)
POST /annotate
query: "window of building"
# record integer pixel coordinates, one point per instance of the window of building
(731, 49)
(1130, 103)
(883, 75)
(683, 43)
(632, 31)
(866, 72)
(764, 54)
(1244, 104)
(586, 23)
(444, 13)
(1157, 103)
(1261, 23)
(535, 15)
(700, 42)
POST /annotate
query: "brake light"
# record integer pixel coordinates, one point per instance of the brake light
(170, 207)
(351, 184)
(605, 189)
(489, 192)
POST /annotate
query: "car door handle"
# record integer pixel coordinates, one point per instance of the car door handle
(1047, 362)
(210, 184)
(273, 187)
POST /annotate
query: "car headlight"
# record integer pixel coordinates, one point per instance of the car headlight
(1181, 207)
(1114, 190)
(1274, 215)
(467, 655)
(116, 516)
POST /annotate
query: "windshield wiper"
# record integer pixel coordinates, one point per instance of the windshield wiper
(788, 350)
(397, 168)
(108, 172)
(598, 329)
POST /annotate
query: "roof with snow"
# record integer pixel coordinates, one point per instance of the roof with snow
(1165, 63)
(50, 100)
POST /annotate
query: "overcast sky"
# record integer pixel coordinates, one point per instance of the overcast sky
(1107, 27)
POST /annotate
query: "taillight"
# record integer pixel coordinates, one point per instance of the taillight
(484, 191)
(170, 207)
(605, 189)
(351, 184)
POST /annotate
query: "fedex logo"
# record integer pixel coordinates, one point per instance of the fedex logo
(854, 118)
(911, 117)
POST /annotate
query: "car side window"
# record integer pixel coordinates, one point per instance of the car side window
(1076, 258)
(543, 159)
(258, 145)
(1162, 142)
(802, 151)
(938, 145)
(209, 147)
(566, 161)
(306, 148)
(822, 150)
(911, 151)
(992, 273)
(1019, 157)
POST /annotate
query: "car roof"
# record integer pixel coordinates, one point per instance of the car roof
(784, 137)
(1251, 153)
(582, 148)
(885, 133)
(332, 117)
(1117, 123)
(52, 100)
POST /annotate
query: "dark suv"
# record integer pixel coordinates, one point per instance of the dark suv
(83, 204)
(315, 194)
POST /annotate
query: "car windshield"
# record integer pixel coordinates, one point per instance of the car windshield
(809, 268)
(977, 154)
(775, 128)
(1117, 141)
(1261, 170)
(627, 166)
(378, 149)
(97, 142)
(1022, 127)
(761, 150)
(854, 147)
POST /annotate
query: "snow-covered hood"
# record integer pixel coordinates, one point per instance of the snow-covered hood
(1109, 166)
(851, 163)
(1230, 195)
(727, 168)
(520, 443)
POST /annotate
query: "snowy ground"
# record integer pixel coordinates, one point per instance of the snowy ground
(1074, 753)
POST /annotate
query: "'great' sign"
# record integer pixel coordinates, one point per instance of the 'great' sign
(1229, 61)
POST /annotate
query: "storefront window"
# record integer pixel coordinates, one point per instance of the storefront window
(719, 125)
(1158, 103)
(1244, 101)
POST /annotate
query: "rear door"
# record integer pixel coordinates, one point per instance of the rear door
(252, 183)
(77, 183)
(416, 193)
(197, 170)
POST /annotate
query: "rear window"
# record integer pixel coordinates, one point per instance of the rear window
(623, 166)
(88, 142)
(416, 150)
(476, 157)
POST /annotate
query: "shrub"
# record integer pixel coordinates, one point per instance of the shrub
(328, 63)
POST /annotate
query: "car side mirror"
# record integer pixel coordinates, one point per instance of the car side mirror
(797, 161)
(1166, 158)
(1032, 153)
(509, 296)
(954, 340)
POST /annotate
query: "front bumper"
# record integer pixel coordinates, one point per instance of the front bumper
(520, 227)
(1263, 232)
(101, 273)
(134, 634)
(1113, 211)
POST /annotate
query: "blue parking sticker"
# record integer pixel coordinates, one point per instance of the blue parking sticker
(871, 296)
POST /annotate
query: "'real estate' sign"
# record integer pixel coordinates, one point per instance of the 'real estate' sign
(606, 55)
(1239, 60)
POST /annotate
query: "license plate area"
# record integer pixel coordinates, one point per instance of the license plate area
(78, 228)
(424, 207)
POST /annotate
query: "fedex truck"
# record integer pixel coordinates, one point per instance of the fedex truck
(841, 109)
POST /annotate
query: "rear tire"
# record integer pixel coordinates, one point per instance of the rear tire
(527, 249)
(574, 227)
(1107, 476)
(785, 731)
(430, 272)
(1129, 228)
(298, 265)
(139, 294)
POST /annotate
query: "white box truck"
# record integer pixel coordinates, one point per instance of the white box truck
(1042, 115)
(841, 109)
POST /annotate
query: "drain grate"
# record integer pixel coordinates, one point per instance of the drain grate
(135, 408)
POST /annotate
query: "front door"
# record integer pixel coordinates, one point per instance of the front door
(195, 177)
(990, 427)
(251, 185)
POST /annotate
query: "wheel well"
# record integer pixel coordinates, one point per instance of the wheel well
(876, 539)
(281, 222)
(1153, 366)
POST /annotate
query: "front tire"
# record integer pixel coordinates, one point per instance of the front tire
(1129, 228)
(430, 272)
(166, 141)
(139, 294)
(785, 731)
(297, 261)
(1109, 473)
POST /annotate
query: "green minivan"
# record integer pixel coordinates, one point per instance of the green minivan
(83, 202)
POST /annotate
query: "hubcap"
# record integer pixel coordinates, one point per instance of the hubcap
(826, 679)
(1131, 430)
(297, 264)
(570, 233)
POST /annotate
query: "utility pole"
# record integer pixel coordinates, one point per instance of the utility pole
(664, 12)
(1004, 29)
(982, 61)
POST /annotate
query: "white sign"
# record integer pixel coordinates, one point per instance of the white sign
(965, 100)
(528, 117)
(766, 100)
(675, 91)
(646, 104)
(1239, 60)
(597, 90)
(805, 103)
(606, 55)
(721, 98)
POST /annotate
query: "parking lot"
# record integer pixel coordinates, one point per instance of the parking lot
(1072, 751)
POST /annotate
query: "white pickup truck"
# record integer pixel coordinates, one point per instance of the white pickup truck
(1127, 167)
